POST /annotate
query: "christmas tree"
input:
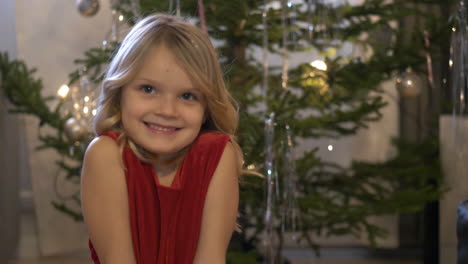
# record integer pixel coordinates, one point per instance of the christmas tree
(278, 106)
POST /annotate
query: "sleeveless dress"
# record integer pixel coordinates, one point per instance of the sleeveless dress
(165, 221)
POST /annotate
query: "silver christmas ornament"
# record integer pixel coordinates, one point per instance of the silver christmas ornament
(87, 7)
(272, 192)
(408, 84)
(75, 129)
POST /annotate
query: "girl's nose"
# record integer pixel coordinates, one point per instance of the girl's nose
(167, 107)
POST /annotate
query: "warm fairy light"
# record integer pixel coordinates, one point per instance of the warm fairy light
(94, 112)
(319, 64)
(409, 82)
(85, 109)
(121, 18)
(454, 29)
(251, 167)
(76, 106)
(450, 63)
(63, 91)
(86, 99)
(330, 147)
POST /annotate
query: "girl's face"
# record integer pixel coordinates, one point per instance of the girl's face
(161, 110)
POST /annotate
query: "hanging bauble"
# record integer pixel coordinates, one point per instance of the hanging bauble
(76, 129)
(408, 84)
(87, 7)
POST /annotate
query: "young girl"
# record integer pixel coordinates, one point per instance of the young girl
(160, 183)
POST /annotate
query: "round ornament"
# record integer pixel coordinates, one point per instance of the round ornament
(87, 7)
(75, 129)
(408, 84)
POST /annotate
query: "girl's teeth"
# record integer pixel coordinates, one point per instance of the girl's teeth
(161, 128)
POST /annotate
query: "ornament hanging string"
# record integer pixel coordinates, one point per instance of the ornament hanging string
(427, 45)
(201, 14)
(265, 50)
(310, 27)
(136, 10)
(284, 53)
(430, 76)
(178, 8)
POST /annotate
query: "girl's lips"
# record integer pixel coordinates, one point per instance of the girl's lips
(159, 129)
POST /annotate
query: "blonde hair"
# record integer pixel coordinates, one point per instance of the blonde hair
(196, 55)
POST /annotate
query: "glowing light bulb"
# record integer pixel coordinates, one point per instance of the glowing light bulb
(86, 99)
(85, 110)
(121, 18)
(94, 112)
(450, 63)
(319, 64)
(330, 147)
(63, 91)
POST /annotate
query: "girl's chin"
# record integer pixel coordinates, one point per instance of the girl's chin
(166, 155)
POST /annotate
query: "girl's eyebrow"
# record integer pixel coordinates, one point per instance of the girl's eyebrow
(157, 83)
(148, 80)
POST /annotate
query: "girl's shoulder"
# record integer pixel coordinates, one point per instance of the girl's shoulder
(210, 138)
(103, 151)
(212, 144)
(102, 144)
(106, 142)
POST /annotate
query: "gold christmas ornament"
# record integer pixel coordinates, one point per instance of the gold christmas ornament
(408, 84)
(87, 7)
(76, 129)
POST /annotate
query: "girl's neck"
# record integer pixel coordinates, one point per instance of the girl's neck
(163, 169)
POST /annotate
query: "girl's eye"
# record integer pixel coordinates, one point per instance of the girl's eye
(188, 96)
(147, 89)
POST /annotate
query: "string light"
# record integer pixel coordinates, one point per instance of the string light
(330, 147)
(63, 91)
(319, 64)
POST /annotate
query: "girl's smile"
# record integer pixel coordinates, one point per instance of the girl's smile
(160, 129)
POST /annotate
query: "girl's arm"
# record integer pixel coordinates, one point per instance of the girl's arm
(220, 210)
(105, 202)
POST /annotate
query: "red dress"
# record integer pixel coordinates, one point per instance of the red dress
(165, 221)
